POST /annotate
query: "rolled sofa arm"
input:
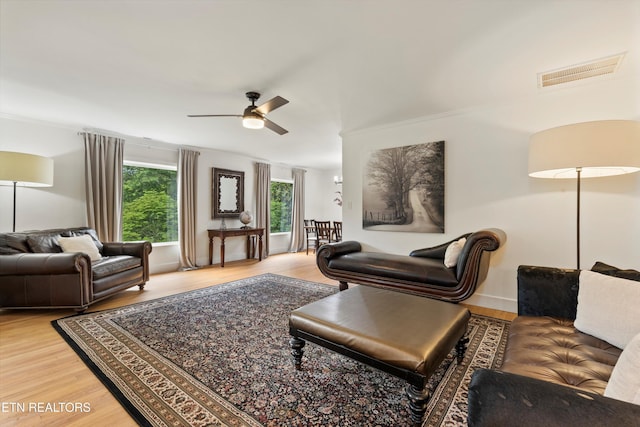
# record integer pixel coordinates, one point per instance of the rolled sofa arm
(45, 280)
(44, 264)
(504, 399)
(434, 252)
(547, 291)
(137, 249)
(332, 250)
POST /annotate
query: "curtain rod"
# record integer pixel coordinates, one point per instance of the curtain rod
(103, 133)
(149, 146)
(130, 142)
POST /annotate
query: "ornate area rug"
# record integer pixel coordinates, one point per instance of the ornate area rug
(219, 356)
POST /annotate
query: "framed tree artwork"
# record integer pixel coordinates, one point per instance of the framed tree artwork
(403, 189)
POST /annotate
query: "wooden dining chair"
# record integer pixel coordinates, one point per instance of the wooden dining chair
(323, 231)
(337, 231)
(310, 232)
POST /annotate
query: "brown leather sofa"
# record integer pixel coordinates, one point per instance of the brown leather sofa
(422, 272)
(552, 374)
(36, 273)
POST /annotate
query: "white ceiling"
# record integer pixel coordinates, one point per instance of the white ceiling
(138, 67)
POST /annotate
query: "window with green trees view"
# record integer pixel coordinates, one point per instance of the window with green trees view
(150, 204)
(281, 206)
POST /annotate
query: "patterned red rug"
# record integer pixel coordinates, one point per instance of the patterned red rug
(220, 356)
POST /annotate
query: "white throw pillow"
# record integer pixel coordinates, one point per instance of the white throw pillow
(453, 252)
(607, 308)
(624, 383)
(82, 243)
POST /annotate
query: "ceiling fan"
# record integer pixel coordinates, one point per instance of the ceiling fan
(254, 117)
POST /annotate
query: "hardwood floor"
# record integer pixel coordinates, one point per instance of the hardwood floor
(37, 368)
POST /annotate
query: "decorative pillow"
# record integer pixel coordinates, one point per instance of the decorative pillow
(81, 232)
(453, 252)
(624, 383)
(80, 244)
(607, 308)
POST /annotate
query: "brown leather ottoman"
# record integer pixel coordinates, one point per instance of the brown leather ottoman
(404, 335)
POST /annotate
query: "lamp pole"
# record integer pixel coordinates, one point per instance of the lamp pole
(578, 171)
(14, 205)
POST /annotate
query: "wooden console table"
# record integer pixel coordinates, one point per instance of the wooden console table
(233, 232)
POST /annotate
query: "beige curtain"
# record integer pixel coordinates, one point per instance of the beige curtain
(103, 184)
(297, 216)
(263, 205)
(188, 206)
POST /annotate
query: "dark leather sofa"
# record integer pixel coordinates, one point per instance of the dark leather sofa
(36, 273)
(552, 374)
(422, 272)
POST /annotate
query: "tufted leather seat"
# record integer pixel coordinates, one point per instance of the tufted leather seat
(551, 349)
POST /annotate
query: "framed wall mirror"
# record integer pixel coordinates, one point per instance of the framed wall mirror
(228, 193)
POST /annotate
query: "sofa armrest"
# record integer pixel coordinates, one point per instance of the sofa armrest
(136, 249)
(435, 252)
(45, 264)
(547, 291)
(332, 250)
(504, 399)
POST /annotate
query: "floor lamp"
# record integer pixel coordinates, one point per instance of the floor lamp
(24, 169)
(585, 150)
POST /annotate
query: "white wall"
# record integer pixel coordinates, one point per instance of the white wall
(63, 205)
(319, 204)
(487, 185)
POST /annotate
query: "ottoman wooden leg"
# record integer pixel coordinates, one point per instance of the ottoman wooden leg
(418, 399)
(296, 351)
(461, 348)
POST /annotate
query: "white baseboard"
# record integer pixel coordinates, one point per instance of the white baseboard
(494, 302)
(163, 268)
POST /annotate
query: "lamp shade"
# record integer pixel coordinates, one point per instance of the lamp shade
(25, 169)
(599, 148)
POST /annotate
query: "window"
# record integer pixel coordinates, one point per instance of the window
(150, 203)
(281, 206)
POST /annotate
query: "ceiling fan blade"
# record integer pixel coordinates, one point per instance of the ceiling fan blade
(271, 105)
(214, 115)
(274, 127)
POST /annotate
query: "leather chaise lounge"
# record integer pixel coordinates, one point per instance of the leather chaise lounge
(36, 273)
(422, 272)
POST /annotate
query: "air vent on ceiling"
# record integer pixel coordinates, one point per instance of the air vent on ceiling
(582, 71)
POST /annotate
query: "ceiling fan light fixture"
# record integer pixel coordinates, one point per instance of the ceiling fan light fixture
(251, 119)
(254, 117)
(253, 122)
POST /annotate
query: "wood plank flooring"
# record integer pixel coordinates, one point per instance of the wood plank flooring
(38, 368)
